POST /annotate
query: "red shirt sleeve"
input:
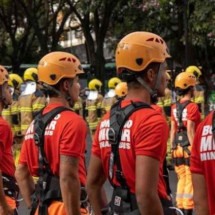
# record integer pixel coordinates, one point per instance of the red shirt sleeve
(73, 141)
(195, 163)
(151, 138)
(95, 146)
(193, 113)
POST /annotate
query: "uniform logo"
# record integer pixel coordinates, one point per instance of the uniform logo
(125, 142)
(207, 146)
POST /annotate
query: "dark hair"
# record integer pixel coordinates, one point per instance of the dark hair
(50, 90)
(130, 76)
(182, 92)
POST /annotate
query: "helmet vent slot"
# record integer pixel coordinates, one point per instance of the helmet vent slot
(139, 61)
(53, 77)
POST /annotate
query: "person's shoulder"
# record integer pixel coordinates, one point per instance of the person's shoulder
(69, 115)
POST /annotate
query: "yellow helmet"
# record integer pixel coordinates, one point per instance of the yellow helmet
(113, 82)
(121, 89)
(138, 49)
(194, 70)
(30, 74)
(10, 83)
(16, 80)
(184, 80)
(57, 65)
(94, 84)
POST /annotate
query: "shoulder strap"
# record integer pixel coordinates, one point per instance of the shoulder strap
(179, 112)
(40, 123)
(118, 117)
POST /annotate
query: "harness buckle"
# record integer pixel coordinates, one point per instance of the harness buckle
(112, 136)
(36, 139)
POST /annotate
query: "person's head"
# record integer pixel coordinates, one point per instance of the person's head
(58, 73)
(185, 83)
(194, 70)
(30, 74)
(95, 85)
(5, 91)
(16, 80)
(121, 89)
(113, 82)
(141, 62)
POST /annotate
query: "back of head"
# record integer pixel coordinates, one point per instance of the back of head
(95, 84)
(16, 80)
(121, 89)
(30, 74)
(184, 81)
(194, 70)
(112, 83)
(55, 66)
(138, 49)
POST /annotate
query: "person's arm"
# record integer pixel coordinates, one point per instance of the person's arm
(70, 184)
(25, 182)
(4, 207)
(146, 185)
(190, 131)
(200, 194)
(95, 181)
(172, 133)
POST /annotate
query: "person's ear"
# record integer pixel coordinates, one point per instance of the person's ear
(66, 85)
(150, 75)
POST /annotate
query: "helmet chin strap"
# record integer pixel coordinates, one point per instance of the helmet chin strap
(153, 91)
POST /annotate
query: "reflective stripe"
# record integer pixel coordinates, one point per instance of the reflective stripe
(25, 109)
(188, 196)
(38, 106)
(179, 195)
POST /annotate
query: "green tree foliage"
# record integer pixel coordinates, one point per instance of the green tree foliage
(16, 35)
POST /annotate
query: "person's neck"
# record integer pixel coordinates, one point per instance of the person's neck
(142, 95)
(59, 100)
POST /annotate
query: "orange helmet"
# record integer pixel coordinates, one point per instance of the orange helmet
(185, 80)
(57, 65)
(121, 89)
(138, 49)
(4, 77)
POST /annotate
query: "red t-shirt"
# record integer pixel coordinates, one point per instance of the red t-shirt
(157, 108)
(203, 158)
(145, 133)
(7, 165)
(65, 135)
(190, 112)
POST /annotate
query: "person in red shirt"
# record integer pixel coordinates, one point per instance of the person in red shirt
(141, 62)
(8, 187)
(185, 117)
(64, 139)
(202, 166)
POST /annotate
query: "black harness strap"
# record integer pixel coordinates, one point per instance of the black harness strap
(181, 134)
(179, 113)
(46, 177)
(118, 118)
